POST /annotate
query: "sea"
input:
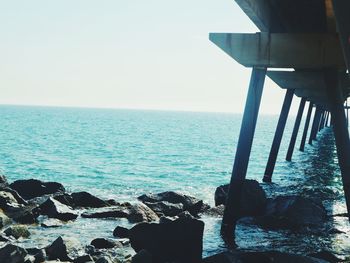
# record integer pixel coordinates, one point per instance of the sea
(122, 154)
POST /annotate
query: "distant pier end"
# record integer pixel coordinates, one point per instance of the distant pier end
(312, 38)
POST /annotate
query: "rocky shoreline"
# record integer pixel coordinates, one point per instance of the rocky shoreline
(167, 226)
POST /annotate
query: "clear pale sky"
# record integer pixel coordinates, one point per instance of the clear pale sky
(151, 54)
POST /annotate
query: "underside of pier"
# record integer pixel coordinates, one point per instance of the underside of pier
(304, 47)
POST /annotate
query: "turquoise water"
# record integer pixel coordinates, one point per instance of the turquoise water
(122, 154)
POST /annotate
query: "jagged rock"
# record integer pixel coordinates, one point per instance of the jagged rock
(326, 255)
(178, 240)
(54, 209)
(253, 199)
(217, 211)
(85, 199)
(166, 219)
(121, 232)
(142, 256)
(111, 212)
(65, 199)
(17, 231)
(185, 214)
(191, 204)
(83, 259)
(104, 259)
(58, 250)
(4, 220)
(14, 193)
(22, 215)
(12, 254)
(141, 213)
(292, 212)
(31, 188)
(51, 222)
(260, 257)
(7, 200)
(165, 208)
(101, 243)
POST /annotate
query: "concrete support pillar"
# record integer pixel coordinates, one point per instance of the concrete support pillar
(278, 135)
(347, 113)
(327, 118)
(295, 129)
(314, 127)
(341, 132)
(245, 141)
(306, 127)
(322, 120)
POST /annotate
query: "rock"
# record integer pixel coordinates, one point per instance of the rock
(22, 215)
(165, 208)
(65, 199)
(17, 231)
(185, 214)
(12, 254)
(58, 250)
(51, 222)
(7, 200)
(101, 243)
(54, 209)
(14, 193)
(83, 259)
(31, 188)
(292, 212)
(142, 256)
(166, 219)
(191, 204)
(85, 199)
(217, 211)
(141, 213)
(104, 259)
(121, 232)
(253, 199)
(111, 212)
(3, 180)
(260, 257)
(4, 220)
(178, 240)
(40, 256)
(326, 255)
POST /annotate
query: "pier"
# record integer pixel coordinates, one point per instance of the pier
(307, 44)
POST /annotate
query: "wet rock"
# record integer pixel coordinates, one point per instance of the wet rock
(40, 256)
(292, 212)
(101, 243)
(104, 259)
(12, 254)
(141, 213)
(4, 220)
(165, 208)
(58, 250)
(7, 200)
(83, 259)
(260, 257)
(51, 222)
(178, 240)
(191, 204)
(142, 256)
(85, 199)
(65, 199)
(166, 219)
(217, 211)
(253, 199)
(22, 215)
(111, 212)
(185, 214)
(17, 231)
(31, 188)
(326, 255)
(121, 232)
(54, 209)
(18, 198)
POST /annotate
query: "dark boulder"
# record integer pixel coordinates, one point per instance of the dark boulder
(326, 255)
(104, 259)
(165, 208)
(83, 259)
(253, 199)
(12, 254)
(121, 232)
(180, 240)
(51, 222)
(65, 199)
(217, 211)
(58, 250)
(17, 231)
(54, 209)
(142, 256)
(4, 220)
(85, 199)
(22, 215)
(31, 188)
(101, 243)
(7, 200)
(111, 212)
(191, 204)
(141, 213)
(292, 212)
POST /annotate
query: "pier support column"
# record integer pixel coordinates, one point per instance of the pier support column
(327, 117)
(295, 129)
(322, 119)
(314, 127)
(278, 135)
(245, 141)
(341, 132)
(306, 127)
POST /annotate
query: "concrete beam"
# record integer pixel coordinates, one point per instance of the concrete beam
(303, 51)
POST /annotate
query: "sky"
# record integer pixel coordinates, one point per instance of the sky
(138, 54)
